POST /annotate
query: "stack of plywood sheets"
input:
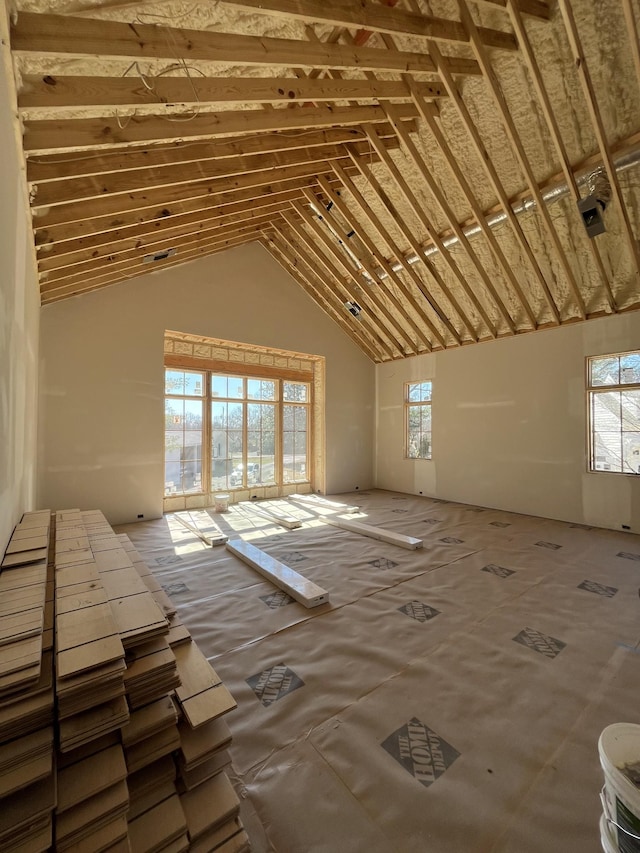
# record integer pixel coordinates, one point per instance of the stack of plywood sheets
(27, 779)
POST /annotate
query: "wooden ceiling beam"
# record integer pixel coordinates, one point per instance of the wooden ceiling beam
(554, 131)
(333, 263)
(374, 18)
(117, 268)
(333, 195)
(167, 198)
(369, 259)
(369, 296)
(88, 286)
(582, 67)
(417, 159)
(368, 213)
(480, 217)
(148, 238)
(56, 91)
(433, 235)
(96, 134)
(408, 234)
(321, 294)
(183, 243)
(494, 179)
(41, 168)
(218, 205)
(499, 100)
(68, 35)
(534, 8)
(303, 245)
(92, 187)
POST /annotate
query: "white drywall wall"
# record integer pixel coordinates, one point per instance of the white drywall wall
(510, 426)
(103, 383)
(19, 315)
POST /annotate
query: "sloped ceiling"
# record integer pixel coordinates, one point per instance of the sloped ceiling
(416, 168)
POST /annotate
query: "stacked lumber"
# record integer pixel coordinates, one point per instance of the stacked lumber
(89, 651)
(210, 803)
(93, 799)
(27, 777)
(141, 747)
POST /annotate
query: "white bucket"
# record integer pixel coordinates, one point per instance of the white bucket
(607, 837)
(619, 744)
(221, 503)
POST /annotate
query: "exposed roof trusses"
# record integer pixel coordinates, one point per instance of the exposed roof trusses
(420, 162)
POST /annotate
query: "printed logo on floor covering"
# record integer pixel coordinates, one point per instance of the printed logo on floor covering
(175, 588)
(419, 611)
(548, 646)
(500, 571)
(627, 555)
(399, 510)
(431, 521)
(451, 540)
(500, 523)
(551, 545)
(598, 588)
(382, 563)
(277, 599)
(420, 751)
(274, 683)
(292, 557)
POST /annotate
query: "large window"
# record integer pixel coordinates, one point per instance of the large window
(613, 389)
(225, 432)
(417, 410)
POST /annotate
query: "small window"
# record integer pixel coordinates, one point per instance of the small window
(613, 390)
(418, 420)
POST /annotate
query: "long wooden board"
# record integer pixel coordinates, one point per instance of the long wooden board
(304, 591)
(390, 536)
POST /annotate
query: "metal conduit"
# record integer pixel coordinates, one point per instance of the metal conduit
(622, 163)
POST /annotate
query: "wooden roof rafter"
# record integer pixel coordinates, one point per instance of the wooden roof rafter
(320, 293)
(554, 131)
(369, 259)
(375, 18)
(68, 35)
(514, 137)
(599, 129)
(333, 195)
(353, 290)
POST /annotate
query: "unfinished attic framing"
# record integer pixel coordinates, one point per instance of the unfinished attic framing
(415, 167)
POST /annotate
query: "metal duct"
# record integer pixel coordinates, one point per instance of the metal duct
(622, 163)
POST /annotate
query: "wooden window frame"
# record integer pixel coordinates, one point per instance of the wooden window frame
(408, 405)
(592, 392)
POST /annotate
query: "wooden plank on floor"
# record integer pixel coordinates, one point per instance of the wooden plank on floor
(390, 536)
(208, 706)
(23, 558)
(304, 591)
(195, 671)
